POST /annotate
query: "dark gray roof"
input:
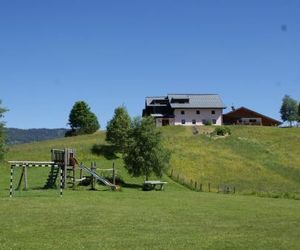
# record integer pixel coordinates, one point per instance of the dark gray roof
(149, 100)
(196, 101)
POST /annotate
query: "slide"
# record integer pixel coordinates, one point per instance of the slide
(98, 177)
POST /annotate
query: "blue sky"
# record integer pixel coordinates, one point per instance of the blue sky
(109, 53)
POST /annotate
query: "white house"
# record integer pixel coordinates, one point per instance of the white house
(185, 109)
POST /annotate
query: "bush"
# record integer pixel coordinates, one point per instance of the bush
(222, 131)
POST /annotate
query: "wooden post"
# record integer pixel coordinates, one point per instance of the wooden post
(93, 179)
(25, 178)
(65, 166)
(195, 185)
(80, 173)
(61, 180)
(208, 187)
(114, 174)
(74, 177)
(234, 190)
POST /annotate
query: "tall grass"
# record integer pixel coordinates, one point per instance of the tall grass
(258, 160)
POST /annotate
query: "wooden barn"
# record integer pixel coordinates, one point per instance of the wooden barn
(245, 116)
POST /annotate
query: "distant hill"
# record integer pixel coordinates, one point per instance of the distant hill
(17, 136)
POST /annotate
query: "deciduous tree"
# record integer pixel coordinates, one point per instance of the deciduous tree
(145, 153)
(289, 109)
(82, 120)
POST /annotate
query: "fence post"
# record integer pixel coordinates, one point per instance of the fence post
(208, 187)
(200, 188)
(195, 186)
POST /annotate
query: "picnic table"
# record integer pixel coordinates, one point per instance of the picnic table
(154, 185)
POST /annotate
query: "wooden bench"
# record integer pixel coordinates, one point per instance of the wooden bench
(154, 185)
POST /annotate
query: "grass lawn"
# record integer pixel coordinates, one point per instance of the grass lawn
(132, 219)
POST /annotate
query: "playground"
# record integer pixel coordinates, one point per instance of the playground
(65, 172)
(177, 218)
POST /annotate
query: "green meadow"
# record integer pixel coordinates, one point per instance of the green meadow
(256, 160)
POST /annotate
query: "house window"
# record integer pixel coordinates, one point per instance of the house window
(182, 112)
(204, 122)
(252, 120)
(214, 121)
(194, 121)
(198, 112)
(213, 112)
(182, 121)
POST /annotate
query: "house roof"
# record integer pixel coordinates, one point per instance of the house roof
(195, 101)
(251, 111)
(150, 99)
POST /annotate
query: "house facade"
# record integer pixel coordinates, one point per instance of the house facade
(185, 109)
(245, 116)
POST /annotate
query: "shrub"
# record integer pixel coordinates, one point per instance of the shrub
(222, 131)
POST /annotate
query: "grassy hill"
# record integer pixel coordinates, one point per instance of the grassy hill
(262, 160)
(175, 219)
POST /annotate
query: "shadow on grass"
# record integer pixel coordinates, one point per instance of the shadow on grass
(121, 182)
(108, 151)
(132, 185)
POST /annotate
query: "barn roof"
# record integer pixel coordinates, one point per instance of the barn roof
(236, 111)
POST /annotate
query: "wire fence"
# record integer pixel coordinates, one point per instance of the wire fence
(199, 186)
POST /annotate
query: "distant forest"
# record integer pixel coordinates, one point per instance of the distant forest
(17, 136)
